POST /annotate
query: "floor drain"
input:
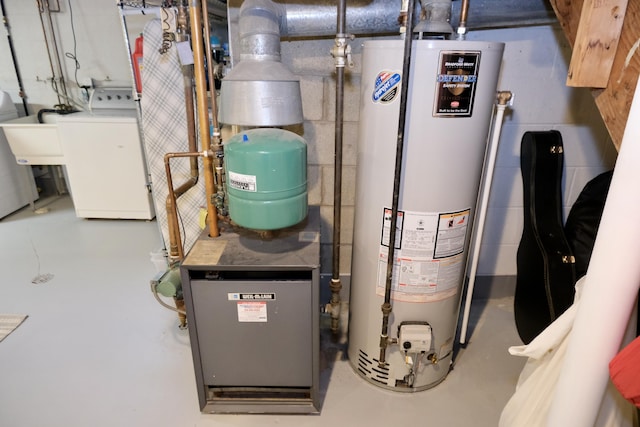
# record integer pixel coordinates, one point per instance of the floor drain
(42, 278)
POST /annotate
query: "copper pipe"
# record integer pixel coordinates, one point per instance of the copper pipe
(464, 11)
(203, 116)
(211, 74)
(462, 26)
(176, 249)
(216, 144)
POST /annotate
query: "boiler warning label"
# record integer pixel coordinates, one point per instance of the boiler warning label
(456, 83)
(387, 87)
(252, 311)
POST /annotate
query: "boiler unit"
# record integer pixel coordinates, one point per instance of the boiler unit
(451, 92)
(252, 306)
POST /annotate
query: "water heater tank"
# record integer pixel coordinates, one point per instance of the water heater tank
(451, 94)
(266, 176)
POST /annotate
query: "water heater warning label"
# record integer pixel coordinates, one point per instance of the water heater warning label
(456, 83)
(428, 263)
(387, 87)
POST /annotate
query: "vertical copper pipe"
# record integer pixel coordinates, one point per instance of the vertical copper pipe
(203, 114)
(216, 143)
(464, 12)
(176, 248)
(462, 26)
(209, 56)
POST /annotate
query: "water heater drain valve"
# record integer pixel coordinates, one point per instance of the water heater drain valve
(415, 337)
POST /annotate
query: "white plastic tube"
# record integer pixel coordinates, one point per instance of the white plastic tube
(610, 291)
(481, 214)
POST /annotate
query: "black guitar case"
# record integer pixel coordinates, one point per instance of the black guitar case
(545, 264)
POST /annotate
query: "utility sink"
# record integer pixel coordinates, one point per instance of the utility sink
(34, 143)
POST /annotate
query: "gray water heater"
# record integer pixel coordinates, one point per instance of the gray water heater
(452, 90)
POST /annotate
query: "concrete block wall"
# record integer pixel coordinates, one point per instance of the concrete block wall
(312, 62)
(535, 68)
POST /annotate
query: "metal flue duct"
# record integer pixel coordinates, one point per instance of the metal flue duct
(303, 18)
(260, 90)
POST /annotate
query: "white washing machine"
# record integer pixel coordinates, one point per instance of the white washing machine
(104, 157)
(17, 186)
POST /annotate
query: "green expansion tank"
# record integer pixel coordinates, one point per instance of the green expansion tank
(266, 178)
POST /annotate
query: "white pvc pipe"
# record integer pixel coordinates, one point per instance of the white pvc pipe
(481, 214)
(609, 293)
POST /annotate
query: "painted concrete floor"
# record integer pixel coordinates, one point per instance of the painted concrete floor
(97, 350)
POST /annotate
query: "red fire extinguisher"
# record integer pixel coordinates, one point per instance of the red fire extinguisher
(137, 63)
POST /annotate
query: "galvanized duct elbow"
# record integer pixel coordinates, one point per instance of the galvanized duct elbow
(436, 15)
(260, 90)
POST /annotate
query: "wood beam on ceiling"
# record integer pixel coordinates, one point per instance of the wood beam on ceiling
(596, 43)
(614, 101)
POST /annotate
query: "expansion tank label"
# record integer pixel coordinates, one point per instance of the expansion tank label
(429, 257)
(242, 182)
(456, 83)
(387, 87)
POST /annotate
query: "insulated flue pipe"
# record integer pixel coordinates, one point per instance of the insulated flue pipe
(317, 17)
(404, 91)
(311, 18)
(503, 98)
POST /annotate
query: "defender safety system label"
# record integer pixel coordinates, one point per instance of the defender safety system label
(387, 87)
(456, 83)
